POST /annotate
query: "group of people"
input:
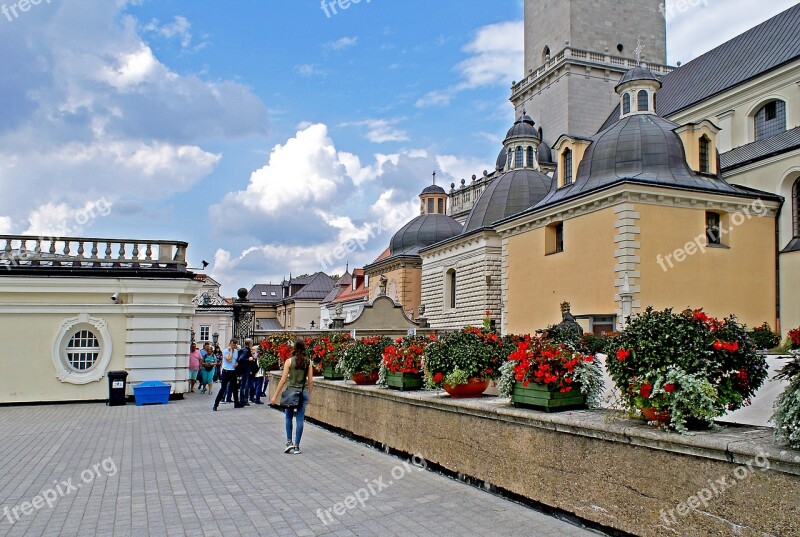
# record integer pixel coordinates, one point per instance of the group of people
(243, 380)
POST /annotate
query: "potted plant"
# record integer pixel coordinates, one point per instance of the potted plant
(682, 369)
(325, 353)
(787, 406)
(362, 360)
(275, 350)
(464, 362)
(544, 374)
(764, 338)
(401, 367)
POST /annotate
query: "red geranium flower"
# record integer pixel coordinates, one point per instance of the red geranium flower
(718, 345)
(432, 337)
(646, 390)
(669, 388)
(622, 354)
(438, 377)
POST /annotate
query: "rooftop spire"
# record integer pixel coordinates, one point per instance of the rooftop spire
(434, 177)
(638, 50)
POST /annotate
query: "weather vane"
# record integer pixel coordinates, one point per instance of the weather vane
(638, 50)
(434, 178)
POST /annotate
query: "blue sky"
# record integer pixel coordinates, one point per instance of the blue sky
(264, 133)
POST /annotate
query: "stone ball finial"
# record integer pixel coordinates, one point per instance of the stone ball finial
(485, 173)
(452, 185)
(463, 182)
(242, 293)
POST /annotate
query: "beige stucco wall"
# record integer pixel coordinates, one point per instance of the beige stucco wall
(790, 291)
(739, 279)
(404, 284)
(582, 274)
(304, 313)
(148, 333)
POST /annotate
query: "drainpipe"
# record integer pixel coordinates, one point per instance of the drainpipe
(778, 270)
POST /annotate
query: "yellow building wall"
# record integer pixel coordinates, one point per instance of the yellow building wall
(406, 282)
(304, 313)
(739, 279)
(582, 274)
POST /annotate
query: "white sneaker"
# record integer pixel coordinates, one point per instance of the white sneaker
(296, 450)
(289, 448)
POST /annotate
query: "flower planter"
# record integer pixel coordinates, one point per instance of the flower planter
(473, 388)
(539, 396)
(365, 379)
(317, 372)
(404, 381)
(330, 373)
(651, 414)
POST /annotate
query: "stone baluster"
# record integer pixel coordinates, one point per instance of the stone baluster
(108, 250)
(148, 253)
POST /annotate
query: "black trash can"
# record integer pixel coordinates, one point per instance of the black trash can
(116, 387)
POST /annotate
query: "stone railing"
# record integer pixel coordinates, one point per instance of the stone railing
(19, 251)
(569, 53)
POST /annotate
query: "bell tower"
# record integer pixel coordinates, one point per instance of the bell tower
(576, 51)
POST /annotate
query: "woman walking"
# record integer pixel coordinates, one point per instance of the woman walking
(207, 370)
(194, 366)
(299, 375)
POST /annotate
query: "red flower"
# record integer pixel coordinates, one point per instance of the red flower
(718, 345)
(646, 390)
(432, 337)
(623, 355)
(488, 313)
(669, 388)
(438, 377)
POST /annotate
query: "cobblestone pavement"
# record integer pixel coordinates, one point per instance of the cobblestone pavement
(181, 469)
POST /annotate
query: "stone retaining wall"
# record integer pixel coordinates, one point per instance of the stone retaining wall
(612, 471)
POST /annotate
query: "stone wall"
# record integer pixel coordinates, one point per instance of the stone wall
(615, 472)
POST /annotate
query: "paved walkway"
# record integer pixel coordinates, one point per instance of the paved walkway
(181, 469)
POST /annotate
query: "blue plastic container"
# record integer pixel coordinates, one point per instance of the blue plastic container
(151, 392)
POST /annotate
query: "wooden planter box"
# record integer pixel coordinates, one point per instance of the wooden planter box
(541, 397)
(330, 373)
(404, 381)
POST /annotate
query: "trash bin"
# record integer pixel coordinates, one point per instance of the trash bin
(116, 387)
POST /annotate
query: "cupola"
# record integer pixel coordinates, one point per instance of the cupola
(637, 91)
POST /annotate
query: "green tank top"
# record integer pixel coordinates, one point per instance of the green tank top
(296, 375)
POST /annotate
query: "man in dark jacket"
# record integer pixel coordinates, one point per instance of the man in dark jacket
(244, 369)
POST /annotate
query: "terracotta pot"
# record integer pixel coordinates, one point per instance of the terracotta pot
(473, 388)
(366, 379)
(651, 414)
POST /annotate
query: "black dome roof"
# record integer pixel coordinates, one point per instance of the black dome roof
(433, 189)
(642, 148)
(511, 193)
(523, 128)
(543, 154)
(424, 230)
(502, 159)
(637, 73)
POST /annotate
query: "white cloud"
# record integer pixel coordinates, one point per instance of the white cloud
(180, 27)
(307, 69)
(342, 44)
(382, 130)
(462, 167)
(496, 55)
(6, 225)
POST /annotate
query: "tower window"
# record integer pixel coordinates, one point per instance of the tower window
(713, 234)
(430, 205)
(510, 159)
(770, 120)
(566, 164)
(796, 207)
(450, 289)
(626, 103)
(518, 162)
(705, 160)
(643, 99)
(531, 161)
(441, 206)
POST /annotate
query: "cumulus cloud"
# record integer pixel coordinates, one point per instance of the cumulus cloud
(180, 28)
(6, 226)
(496, 55)
(342, 43)
(381, 130)
(91, 111)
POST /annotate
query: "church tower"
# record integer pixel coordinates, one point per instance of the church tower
(575, 53)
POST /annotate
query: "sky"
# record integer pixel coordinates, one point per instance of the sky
(276, 137)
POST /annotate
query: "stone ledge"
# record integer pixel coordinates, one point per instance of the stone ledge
(733, 444)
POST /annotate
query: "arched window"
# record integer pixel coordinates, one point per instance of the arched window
(796, 208)
(643, 97)
(450, 289)
(83, 350)
(531, 162)
(626, 103)
(705, 157)
(566, 165)
(430, 205)
(518, 161)
(770, 120)
(510, 159)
